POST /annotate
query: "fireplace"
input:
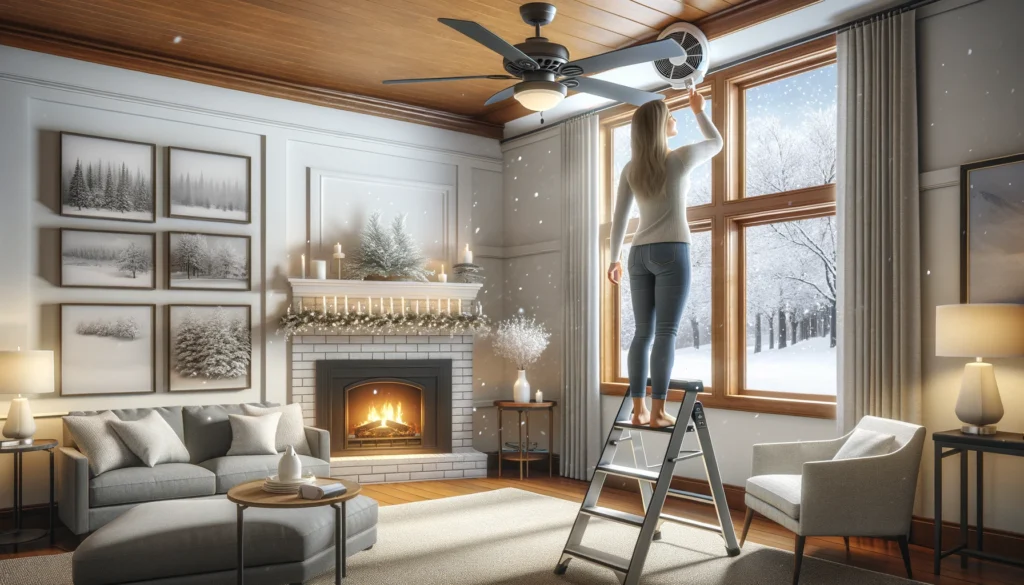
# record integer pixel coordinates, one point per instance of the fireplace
(385, 407)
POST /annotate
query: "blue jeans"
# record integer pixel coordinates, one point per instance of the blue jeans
(659, 281)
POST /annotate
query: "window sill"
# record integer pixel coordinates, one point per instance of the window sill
(758, 404)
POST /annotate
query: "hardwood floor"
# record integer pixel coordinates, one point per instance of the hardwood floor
(866, 553)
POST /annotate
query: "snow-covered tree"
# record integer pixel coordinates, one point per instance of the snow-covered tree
(122, 195)
(188, 346)
(409, 261)
(220, 351)
(226, 262)
(134, 259)
(190, 254)
(387, 253)
(108, 191)
(78, 193)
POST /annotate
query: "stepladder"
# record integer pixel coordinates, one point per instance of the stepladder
(655, 486)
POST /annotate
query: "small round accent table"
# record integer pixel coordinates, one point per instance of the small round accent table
(251, 495)
(523, 453)
(19, 535)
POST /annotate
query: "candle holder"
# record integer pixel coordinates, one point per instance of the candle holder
(338, 257)
(469, 273)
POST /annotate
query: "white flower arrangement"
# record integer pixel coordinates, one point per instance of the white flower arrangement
(521, 340)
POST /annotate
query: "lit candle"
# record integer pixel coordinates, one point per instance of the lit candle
(359, 308)
(391, 305)
(346, 304)
(467, 255)
(323, 303)
(337, 248)
(369, 305)
(539, 396)
(403, 306)
(442, 277)
(382, 305)
(460, 306)
(303, 262)
(417, 307)
(449, 306)
(335, 305)
(428, 305)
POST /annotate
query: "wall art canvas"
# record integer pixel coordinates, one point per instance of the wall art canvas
(210, 347)
(208, 185)
(107, 178)
(101, 259)
(992, 217)
(107, 349)
(208, 261)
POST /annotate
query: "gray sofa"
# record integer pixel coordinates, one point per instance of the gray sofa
(86, 503)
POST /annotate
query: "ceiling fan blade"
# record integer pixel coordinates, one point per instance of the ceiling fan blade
(501, 95)
(614, 91)
(663, 49)
(430, 79)
(492, 42)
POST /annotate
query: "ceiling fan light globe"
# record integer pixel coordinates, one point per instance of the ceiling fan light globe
(539, 96)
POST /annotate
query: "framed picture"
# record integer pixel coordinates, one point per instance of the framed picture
(209, 347)
(102, 259)
(107, 349)
(208, 261)
(991, 224)
(210, 186)
(107, 178)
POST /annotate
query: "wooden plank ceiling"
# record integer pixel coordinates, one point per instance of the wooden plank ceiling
(342, 46)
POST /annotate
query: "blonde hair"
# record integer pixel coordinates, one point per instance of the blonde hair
(649, 143)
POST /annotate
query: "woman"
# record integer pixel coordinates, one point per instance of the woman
(659, 259)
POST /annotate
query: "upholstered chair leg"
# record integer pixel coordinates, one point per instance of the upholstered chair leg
(799, 554)
(846, 541)
(905, 551)
(746, 525)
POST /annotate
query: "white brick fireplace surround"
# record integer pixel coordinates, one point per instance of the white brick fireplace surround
(464, 461)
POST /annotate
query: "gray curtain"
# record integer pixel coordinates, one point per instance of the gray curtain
(879, 252)
(581, 398)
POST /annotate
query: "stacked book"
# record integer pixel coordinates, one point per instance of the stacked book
(287, 486)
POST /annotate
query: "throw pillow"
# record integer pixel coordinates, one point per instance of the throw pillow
(290, 431)
(99, 443)
(151, 439)
(253, 435)
(865, 443)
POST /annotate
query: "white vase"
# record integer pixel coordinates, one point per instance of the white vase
(290, 467)
(521, 389)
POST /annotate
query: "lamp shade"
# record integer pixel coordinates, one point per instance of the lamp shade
(980, 330)
(26, 372)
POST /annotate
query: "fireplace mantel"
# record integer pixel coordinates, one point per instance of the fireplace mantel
(362, 289)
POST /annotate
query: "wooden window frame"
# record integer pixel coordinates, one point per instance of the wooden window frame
(725, 217)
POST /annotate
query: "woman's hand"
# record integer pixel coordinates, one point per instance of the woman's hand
(696, 101)
(615, 272)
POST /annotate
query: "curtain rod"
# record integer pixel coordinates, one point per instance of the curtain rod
(900, 9)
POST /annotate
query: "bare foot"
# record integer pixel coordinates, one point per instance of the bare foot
(641, 418)
(662, 420)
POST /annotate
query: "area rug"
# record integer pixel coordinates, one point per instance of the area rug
(513, 537)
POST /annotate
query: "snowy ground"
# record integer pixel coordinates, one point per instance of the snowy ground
(104, 365)
(102, 274)
(107, 213)
(212, 213)
(180, 383)
(178, 280)
(809, 367)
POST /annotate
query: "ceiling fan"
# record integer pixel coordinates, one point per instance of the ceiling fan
(545, 69)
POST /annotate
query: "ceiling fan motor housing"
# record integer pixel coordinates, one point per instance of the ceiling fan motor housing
(550, 56)
(687, 71)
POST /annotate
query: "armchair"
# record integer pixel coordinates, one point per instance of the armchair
(800, 486)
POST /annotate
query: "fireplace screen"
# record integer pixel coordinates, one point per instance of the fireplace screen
(382, 415)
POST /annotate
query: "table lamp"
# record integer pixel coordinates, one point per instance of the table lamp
(980, 330)
(24, 372)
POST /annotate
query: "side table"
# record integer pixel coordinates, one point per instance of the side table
(959, 443)
(251, 495)
(20, 535)
(523, 454)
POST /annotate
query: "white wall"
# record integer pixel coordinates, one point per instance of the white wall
(971, 108)
(289, 142)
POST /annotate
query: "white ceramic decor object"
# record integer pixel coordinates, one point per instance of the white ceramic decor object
(290, 467)
(521, 389)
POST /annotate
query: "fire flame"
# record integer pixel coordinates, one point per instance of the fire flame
(389, 411)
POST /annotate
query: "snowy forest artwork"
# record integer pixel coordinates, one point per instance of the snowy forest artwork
(790, 280)
(90, 258)
(210, 347)
(107, 178)
(993, 271)
(107, 349)
(208, 185)
(205, 261)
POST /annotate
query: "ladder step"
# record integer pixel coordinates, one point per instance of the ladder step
(625, 424)
(598, 557)
(691, 523)
(631, 472)
(614, 515)
(685, 495)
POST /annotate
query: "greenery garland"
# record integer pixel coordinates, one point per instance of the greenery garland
(311, 321)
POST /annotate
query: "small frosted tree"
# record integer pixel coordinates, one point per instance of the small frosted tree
(78, 191)
(190, 254)
(187, 346)
(222, 354)
(227, 262)
(108, 191)
(122, 195)
(408, 261)
(134, 259)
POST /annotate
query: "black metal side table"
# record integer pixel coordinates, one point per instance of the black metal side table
(20, 535)
(959, 443)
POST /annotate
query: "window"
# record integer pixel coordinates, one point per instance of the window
(759, 324)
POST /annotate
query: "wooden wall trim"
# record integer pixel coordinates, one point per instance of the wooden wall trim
(43, 41)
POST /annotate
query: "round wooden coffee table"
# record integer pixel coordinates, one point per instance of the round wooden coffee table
(251, 495)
